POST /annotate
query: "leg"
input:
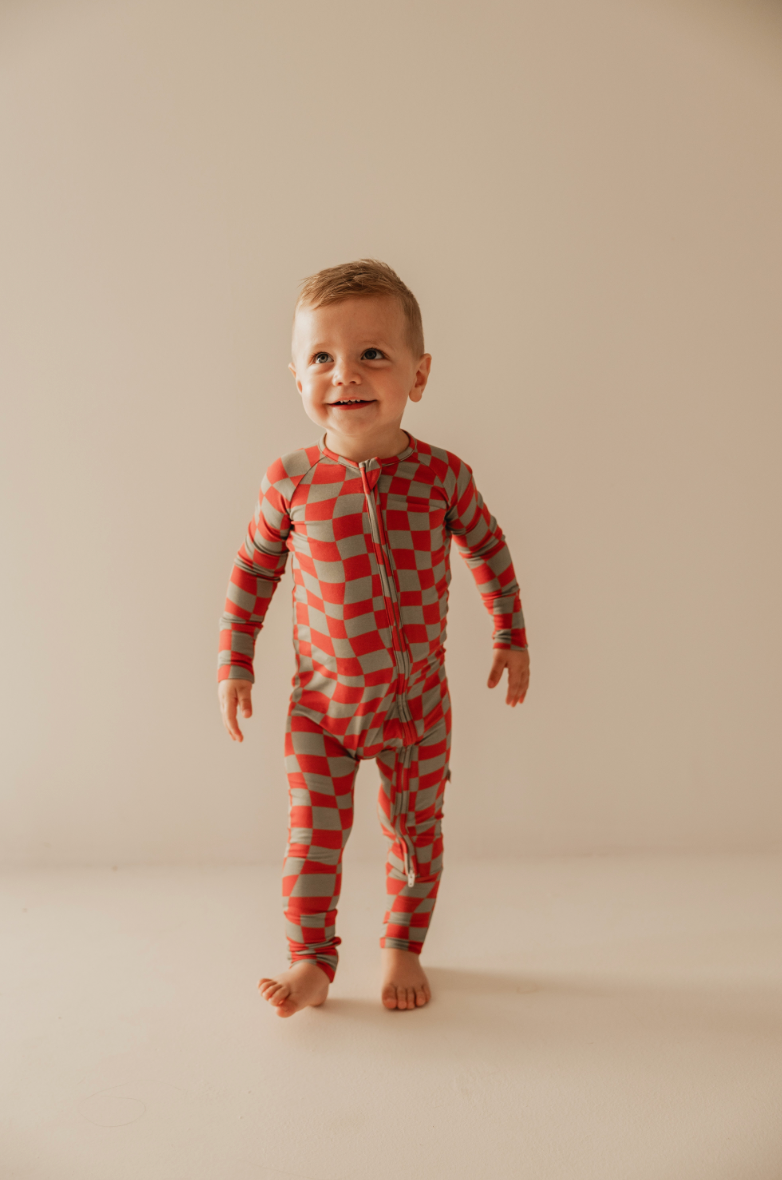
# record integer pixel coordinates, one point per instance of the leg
(411, 808)
(321, 775)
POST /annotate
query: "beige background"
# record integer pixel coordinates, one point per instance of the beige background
(586, 199)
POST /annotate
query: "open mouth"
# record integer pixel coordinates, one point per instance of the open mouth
(354, 401)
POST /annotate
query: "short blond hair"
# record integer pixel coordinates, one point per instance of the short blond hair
(367, 276)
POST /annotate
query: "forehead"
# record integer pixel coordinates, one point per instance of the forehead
(356, 318)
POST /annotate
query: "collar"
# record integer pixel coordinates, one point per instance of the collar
(371, 464)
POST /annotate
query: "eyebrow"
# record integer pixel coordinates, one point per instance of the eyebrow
(371, 342)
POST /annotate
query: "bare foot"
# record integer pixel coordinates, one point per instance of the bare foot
(404, 982)
(303, 986)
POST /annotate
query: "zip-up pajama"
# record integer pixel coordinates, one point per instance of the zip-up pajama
(370, 545)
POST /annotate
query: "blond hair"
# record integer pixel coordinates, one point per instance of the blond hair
(367, 276)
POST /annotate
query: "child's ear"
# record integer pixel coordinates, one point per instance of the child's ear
(421, 377)
(292, 368)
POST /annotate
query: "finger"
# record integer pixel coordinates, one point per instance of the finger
(231, 724)
(495, 675)
(514, 684)
(246, 702)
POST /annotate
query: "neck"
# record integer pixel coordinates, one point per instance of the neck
(381, 445)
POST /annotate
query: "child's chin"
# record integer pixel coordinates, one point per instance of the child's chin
(352, 421)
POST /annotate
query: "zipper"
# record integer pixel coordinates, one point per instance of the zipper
(400, 802)
(408, 849)
(387, 581)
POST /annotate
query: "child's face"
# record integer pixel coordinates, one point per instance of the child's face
(354, 367)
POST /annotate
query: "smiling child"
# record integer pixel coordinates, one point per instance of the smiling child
(367, 515)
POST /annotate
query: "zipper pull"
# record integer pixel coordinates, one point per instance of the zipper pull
(411, 878)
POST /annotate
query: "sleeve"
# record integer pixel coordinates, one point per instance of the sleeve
(257, 569)
(483, 546)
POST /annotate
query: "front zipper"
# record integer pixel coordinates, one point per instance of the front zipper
(402, 663)
(385, 570)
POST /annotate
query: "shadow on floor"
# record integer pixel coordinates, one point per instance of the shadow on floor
(500, 1007)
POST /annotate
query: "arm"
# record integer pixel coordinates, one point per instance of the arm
(257, 569)
(482, 545)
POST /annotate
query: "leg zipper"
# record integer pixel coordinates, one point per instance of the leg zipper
(408, 851)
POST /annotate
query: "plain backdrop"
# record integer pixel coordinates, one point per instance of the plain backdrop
(585, 195)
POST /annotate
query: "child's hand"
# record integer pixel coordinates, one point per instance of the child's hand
(517, 663)
(235, 694)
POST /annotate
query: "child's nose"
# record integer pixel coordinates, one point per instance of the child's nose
(345, 373)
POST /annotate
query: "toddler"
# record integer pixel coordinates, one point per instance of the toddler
(367, 514)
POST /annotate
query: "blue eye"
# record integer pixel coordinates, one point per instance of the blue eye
(320, 358)
(378, 355)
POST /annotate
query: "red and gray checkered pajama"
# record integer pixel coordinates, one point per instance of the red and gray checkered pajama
(370, 545)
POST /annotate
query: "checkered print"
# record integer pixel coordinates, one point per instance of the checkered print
(370, 546)
(321, 777)
(410, 803)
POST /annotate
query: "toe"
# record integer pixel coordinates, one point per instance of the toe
(420, 997)
(389, 996)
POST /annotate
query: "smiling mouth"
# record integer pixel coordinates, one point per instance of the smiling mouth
(353, 401)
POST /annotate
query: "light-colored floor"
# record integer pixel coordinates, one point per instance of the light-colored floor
(609, 1018)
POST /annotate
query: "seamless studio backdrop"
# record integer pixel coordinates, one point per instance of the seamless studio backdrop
(586, 199)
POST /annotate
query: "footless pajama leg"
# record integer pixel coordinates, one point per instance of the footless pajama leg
(321, 774)
(410, 804)
(321, 778)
